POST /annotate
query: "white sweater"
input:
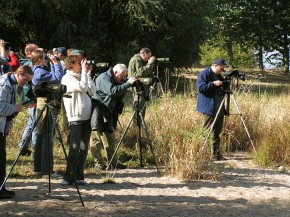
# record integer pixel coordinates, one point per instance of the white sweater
(79, 106)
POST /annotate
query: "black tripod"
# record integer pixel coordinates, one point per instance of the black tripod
(140, 123)
(226, 99)
(49, 108)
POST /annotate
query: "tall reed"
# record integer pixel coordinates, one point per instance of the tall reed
(178, 138)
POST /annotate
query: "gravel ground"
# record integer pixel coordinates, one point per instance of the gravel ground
(242, 190)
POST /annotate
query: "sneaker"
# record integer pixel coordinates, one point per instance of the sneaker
(64, 183)
(81, 182)
(55, 176)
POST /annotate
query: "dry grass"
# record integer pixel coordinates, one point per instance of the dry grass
(176, 133)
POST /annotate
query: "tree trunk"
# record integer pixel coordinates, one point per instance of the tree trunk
(261, 62)
(230, 51)
(286, 54)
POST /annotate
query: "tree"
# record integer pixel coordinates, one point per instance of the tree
(113, 30)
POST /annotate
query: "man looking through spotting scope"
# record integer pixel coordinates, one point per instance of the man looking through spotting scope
(210, 96)
(141, 66)
(111, 87)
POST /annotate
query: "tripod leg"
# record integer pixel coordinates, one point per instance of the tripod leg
(148, 140)
(140, 112)
(139, 140)
(48, 147)
(244, 124)
(121, 140)
(23, 146)
(65, 154)
(212, 125)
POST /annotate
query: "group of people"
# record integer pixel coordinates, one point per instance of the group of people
(102, 97)
(91, 107)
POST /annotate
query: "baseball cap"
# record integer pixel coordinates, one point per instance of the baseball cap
(62, 50)
(76, 51)
(220, 61)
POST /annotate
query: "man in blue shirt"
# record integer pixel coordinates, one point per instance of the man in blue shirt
(210, 97)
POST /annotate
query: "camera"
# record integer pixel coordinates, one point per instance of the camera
(90, 62)
(45, 90)
(235, 73)
(10, 117)
(6, 45)
(229, 75)
(163, 59)
(142, 82)
(102, 65)
(48, 56)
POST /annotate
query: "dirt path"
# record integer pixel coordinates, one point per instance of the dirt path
(243, 190)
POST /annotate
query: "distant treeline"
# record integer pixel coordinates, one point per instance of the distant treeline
(113, 30)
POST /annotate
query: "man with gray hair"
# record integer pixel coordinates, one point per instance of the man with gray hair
(111, 87)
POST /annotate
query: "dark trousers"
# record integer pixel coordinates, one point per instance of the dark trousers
(216, 130)
(2, 159)
(43, 154)
(79, 137)
(139, 107)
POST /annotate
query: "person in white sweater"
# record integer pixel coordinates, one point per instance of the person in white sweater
(78, 107)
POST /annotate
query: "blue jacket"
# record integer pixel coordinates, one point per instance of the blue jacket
(41, 75)
(8, 91)
(206, 91)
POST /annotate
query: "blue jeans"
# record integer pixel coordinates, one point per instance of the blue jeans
(28, 128)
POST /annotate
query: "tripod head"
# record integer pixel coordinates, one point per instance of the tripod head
(143, 86)
(232, 78)
(51, 92)
(230, 83)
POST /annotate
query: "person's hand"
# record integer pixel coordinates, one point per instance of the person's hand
(2, 43)
(85, 66)
(19, 108)
(217, 83)
(52, 58)
(151, 59)
(89, 72)
(2, 47)
(132, 80)
(90, 68)
(7, 131)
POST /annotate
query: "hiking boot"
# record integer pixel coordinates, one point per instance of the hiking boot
(25, 152)
(65, 183)
(56, 176)
(220, 158)
(81, 182)
(121, 166)
(101, 167)
(6, 194)
(9, 192)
